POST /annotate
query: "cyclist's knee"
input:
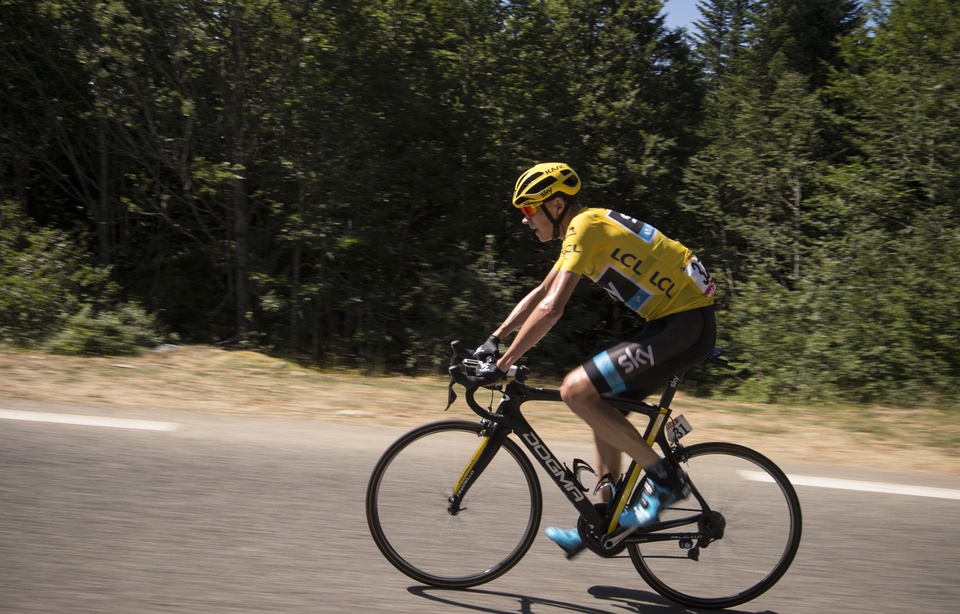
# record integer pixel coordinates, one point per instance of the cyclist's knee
(577, 391)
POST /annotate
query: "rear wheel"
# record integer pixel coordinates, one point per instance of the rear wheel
(408, 515)
(755, 521)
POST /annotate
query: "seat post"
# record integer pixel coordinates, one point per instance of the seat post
(666, 398)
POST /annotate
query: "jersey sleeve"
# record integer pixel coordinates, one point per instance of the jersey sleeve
(580, 245)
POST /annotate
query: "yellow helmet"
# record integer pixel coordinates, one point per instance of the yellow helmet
(542, 181)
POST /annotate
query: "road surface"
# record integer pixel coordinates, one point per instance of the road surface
(143, 512)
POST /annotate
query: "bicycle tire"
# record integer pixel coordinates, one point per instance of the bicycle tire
(407, 500)
(761, 531)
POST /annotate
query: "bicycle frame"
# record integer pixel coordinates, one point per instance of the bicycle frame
(508, 419)
(491, 519)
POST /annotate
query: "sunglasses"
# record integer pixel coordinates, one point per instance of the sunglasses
(530, 210)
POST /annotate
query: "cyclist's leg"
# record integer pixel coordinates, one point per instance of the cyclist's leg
(580, 393)
(666, 483)
(640, 365)
(582, 397)
(608, 424)
(671, 344)
(609, 461)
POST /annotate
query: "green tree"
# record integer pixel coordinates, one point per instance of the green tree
(758, 188)
(802, 36)
(721, 36)
(900, 200)
(50, 149)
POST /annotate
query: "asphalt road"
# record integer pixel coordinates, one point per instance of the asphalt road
(214, 513)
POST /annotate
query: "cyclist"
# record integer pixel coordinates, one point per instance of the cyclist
(656, 277)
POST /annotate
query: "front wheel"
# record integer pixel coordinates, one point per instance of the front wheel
(754, 520)
(409, 516)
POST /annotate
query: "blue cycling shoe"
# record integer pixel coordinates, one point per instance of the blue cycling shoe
(655, 499)
(568, 540)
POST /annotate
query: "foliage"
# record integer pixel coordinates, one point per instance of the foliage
(124, 330)
(45, 277)
(49, 292)
(329, 179)
(820, 204)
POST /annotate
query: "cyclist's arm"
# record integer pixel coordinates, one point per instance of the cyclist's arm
(537, 313)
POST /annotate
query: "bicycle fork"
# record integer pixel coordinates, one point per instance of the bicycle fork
(489, 446)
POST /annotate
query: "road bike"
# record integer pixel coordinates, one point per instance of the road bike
(457, 503)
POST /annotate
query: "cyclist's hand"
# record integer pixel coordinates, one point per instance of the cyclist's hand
(487, 374)
(490, 347)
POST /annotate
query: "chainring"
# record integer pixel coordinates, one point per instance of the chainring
(592, 541)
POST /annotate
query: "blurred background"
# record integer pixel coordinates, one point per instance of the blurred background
(326, 184)
(330, 180)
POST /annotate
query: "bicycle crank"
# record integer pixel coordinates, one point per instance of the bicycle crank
(605, 546)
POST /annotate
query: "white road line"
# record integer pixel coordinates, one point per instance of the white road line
(116, 423)
(880, 487)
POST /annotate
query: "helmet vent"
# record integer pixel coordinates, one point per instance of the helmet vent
(524, 186)
(541, 185)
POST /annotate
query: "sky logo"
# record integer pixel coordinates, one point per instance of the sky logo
(646, 233)
(638, 300)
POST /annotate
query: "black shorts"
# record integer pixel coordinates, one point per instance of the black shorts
(642, 364)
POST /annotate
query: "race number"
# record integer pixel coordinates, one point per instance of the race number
(677, 428)
(701, 279)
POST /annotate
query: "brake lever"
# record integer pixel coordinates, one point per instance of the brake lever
(459, 356)
(451, 395)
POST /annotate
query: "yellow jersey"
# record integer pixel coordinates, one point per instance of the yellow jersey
(653, 275)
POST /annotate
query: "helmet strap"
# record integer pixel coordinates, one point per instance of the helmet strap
(557, 221)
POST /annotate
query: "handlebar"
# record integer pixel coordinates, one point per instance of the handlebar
(462, 365)
(469, 362)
